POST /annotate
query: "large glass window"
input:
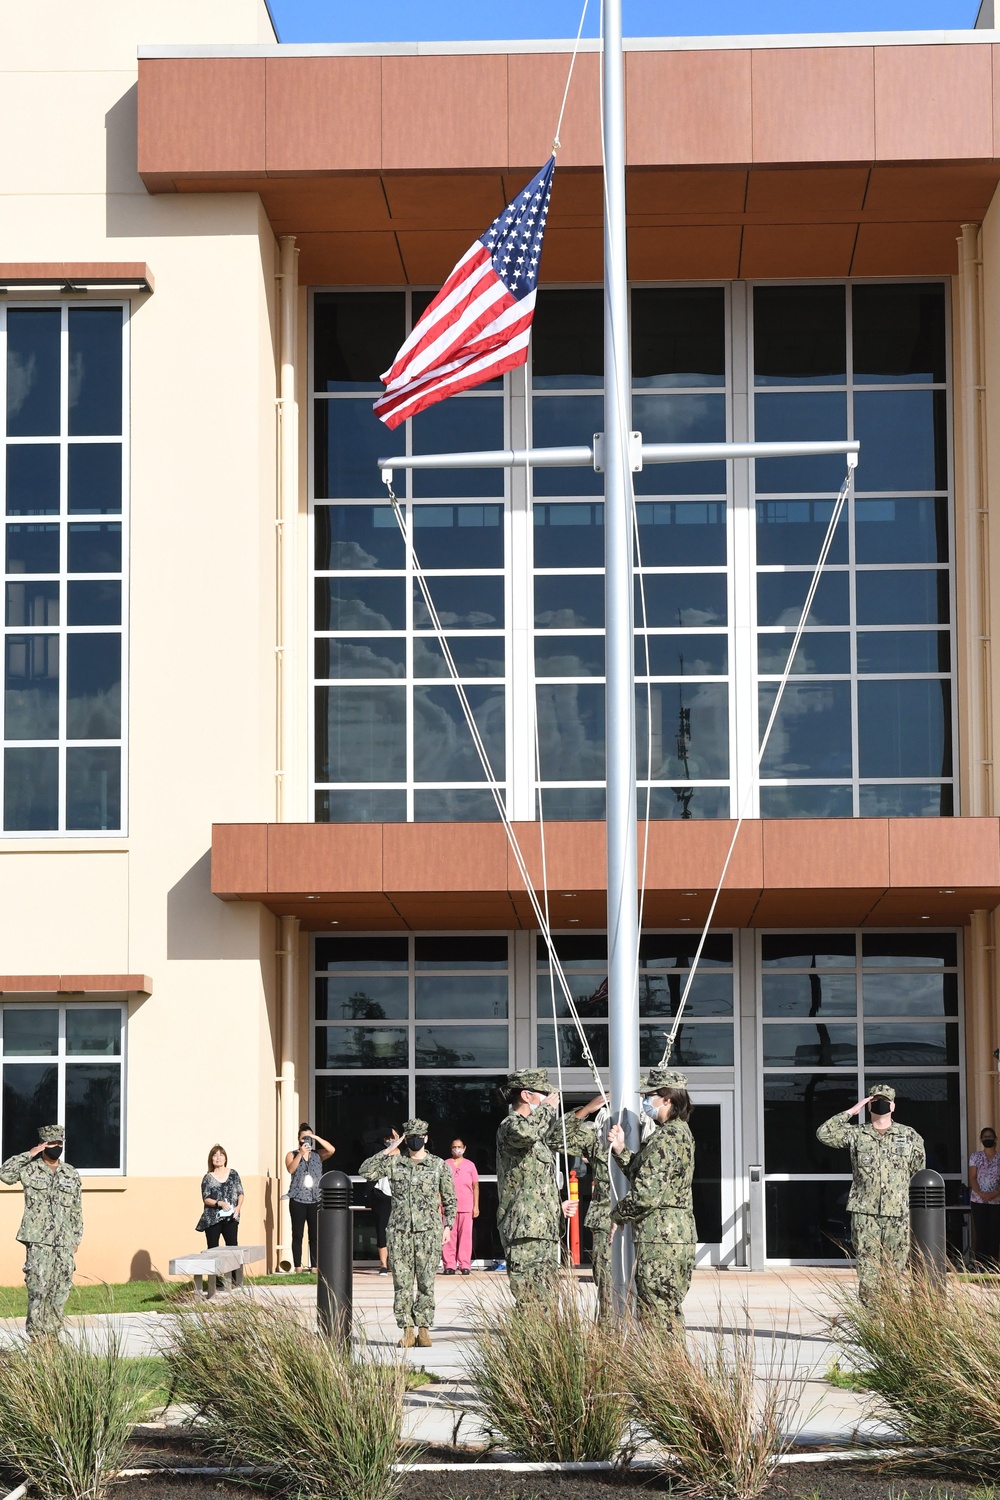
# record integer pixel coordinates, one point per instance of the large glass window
(65, 1063)
(391, 738)
(62, 478)
(866, 724)
(838, 1013)
(432, 1010)
(705, 1036)
(723, 560)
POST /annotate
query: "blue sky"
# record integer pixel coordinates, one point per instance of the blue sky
(460, 20)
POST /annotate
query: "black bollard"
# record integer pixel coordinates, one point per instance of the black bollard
(335, 1257)
(927, 1223)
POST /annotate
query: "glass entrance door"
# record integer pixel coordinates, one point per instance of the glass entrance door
(714, 1188)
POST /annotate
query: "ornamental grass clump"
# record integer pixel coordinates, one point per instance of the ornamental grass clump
(548, 1379)
(930, 1355)
(67, 1412)
(723, 1417)
(314, 1418)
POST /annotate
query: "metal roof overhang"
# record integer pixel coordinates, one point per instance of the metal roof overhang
(862, 872)
(754, 157)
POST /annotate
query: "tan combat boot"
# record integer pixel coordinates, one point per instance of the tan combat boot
(423, 1338)
(407, 1341)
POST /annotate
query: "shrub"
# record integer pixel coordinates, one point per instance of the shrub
(931, 1356)
(321, 1420)
(67, 1412)
(548, 1379)
(723, 1419)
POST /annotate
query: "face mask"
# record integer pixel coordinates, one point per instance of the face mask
(989, 1140)
(458, 1150)
(414, 1142)
(650, 1109)
(52, 1152)
(880, 1106)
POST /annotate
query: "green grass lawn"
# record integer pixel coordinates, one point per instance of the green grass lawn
(129, 1296)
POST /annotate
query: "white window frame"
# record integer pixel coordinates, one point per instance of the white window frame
(11, 1001)
(63, 519)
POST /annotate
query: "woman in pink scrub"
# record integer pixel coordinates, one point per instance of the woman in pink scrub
(457, 1252)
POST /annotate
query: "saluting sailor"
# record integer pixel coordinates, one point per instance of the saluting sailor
(51, 1227)
(884, 1156)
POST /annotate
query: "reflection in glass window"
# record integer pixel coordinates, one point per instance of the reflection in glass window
(819, 1045)
(362, 1047)
(450, 998)
(64, 1062)
(814, 994)
(694, 1046)
(368, 997)
(447, 1047)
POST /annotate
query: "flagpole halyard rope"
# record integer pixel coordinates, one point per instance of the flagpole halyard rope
(540, 913)
(556, 142)
(824, 552)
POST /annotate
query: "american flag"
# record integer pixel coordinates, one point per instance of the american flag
(479, 323)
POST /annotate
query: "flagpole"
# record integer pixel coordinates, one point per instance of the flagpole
(623, 914)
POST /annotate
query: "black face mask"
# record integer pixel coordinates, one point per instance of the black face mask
(989, 1140)
(880, 1106)
(52, 1152)
(414, 1142)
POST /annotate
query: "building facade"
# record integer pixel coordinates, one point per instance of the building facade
(253, 871)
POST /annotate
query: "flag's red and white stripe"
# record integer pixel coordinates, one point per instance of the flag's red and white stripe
(479, 324)
(501, 345)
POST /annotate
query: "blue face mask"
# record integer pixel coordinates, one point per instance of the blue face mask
(649, 1108)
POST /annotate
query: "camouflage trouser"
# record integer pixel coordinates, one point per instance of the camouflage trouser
(600, 1259)
(48, 1275)
(661, 1283)
(413, 1257)
(877, 1242)
(532, 1267)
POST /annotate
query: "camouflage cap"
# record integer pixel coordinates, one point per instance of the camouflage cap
(415, 1127)
(662, 1078)
(536, 1079)
(882, 1091)
(49, 1133)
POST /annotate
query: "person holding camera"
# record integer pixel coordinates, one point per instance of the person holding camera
(884, 1156)
(423, 1212)
(306, 1167)
(222, 1200)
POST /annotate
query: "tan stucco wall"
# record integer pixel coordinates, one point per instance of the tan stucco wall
(200, 1063)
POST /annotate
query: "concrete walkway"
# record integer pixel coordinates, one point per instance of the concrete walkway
(785, 1308)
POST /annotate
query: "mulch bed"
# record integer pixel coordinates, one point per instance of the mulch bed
(814, 1481)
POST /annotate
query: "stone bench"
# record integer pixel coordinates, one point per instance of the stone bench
(211, 1265)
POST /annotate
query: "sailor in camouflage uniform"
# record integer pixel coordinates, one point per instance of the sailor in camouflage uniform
(658, 1204)
(51, 1228)
(530, 1214)
(422, 1186)
(594, 1148)
(884, 1156)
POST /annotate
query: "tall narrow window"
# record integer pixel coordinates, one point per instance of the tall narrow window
(63, 478)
